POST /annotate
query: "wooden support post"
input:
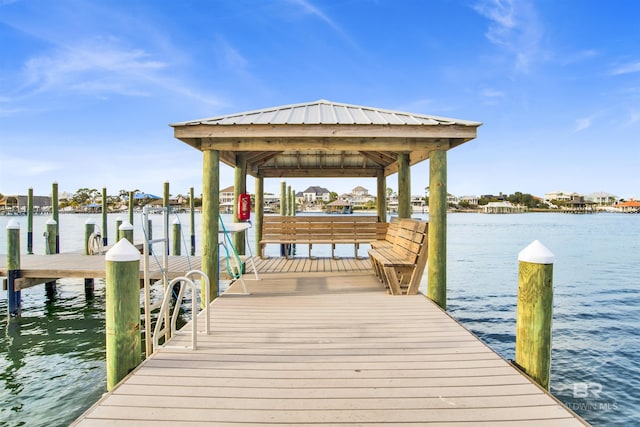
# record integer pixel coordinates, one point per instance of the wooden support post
(259, 209)
(51, 242)
(122, 311)
(54, 214)
(437, 235)
(105, 239)
(210, 218)
(13, 269)
(381, 200)
(30, 221)
(118, 224)
(239, 187)
(289, 201)
(126, 231)
(534, 314)
(131, 196)
(89, 229)
(293, 202)
(192, 221)
(175, 237)
(283, 211)
(404, 186)
(166, 205)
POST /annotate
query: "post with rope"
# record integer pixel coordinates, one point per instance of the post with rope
(89, 233)
(283, 211)
(51, 238)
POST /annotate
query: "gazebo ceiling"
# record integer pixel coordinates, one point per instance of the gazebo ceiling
(324, 139)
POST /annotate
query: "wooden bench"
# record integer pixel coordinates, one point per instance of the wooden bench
(330, 230)
(389, 237)
(399, 266)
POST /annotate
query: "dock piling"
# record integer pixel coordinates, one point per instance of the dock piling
(122, 311)
(30, 221)
(54, 214)
(105, 240)
(14, 308)
(51, 236)
(534, 313)
(89, 229)
(118, 224)
(126, 231)
(176, 230)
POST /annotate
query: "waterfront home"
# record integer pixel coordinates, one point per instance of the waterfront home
(630, 206)
(503, 207)
(18, 204)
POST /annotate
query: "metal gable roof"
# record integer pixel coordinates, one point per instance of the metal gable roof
(326, 112)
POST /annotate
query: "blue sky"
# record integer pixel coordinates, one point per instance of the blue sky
(88, 87)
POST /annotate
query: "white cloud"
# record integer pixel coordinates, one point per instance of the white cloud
(515, 28)
(632, 67)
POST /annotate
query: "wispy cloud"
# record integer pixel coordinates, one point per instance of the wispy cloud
(629, 68)
(514, 27)
(93, 66)
(491, 96)
(309, 8)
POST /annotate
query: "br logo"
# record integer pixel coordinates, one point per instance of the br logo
(584, 390)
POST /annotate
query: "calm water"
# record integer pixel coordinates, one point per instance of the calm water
(52, 359)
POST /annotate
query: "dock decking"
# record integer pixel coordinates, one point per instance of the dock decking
(327, 349)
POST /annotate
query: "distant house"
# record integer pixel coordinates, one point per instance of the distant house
(563, 196)
(602, 198)
(314, 193)
(578, 204)
(471, 200)
(360, 196)
(18, 204)
(502, 207)
(226, 195)
(630, 206)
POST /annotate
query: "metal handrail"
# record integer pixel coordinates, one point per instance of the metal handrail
(164, 308)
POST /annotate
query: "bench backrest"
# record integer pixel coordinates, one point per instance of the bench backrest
(412, 244)
(360, 228)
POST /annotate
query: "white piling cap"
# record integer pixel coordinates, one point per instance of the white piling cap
(176, 221)
(122, 251)
(90, 221)
(125, 226)
(13, 225)
(536, 253)
(51, 221)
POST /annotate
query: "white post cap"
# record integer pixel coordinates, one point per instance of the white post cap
(89, 222)
(125, 226)
(122, 251)
(13, 225)
(51, 221)
(176, 222)
(536, 253)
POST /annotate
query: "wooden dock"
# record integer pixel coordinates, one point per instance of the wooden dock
(36, 269)
(327, 349)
